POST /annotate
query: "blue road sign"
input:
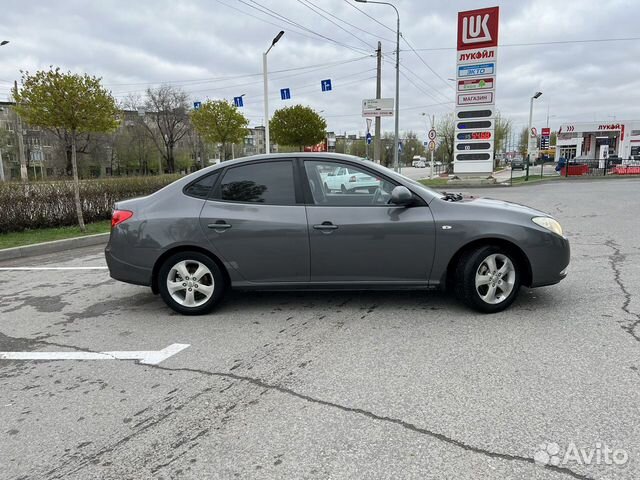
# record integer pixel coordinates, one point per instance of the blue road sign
(369, 138)
(237, 101)
(326, 85)
(400, 147)
(285, 94)
(197, 105)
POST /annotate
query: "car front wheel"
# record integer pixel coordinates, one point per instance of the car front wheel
(488, 279)
(190, 283)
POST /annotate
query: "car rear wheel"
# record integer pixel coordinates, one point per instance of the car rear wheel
(191, 283)
(487, 279)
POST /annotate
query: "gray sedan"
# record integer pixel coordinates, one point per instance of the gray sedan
(266, 222)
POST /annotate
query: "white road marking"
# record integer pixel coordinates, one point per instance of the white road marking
(149, 357)
(52, 268)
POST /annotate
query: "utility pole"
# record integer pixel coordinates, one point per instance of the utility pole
(24, 176)
(377, 154)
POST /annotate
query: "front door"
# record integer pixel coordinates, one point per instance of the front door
(357, 236)
(255, 224)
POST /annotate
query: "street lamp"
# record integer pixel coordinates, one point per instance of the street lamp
(535, 95)
(3, 42)
(397, 136)
(267, 146)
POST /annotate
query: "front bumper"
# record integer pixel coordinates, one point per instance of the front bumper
(550, 265)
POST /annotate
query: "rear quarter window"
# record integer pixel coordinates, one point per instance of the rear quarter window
(201, 188)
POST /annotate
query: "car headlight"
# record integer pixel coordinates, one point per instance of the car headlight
(548, 223)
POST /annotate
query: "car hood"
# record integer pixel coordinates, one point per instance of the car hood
(494, 204)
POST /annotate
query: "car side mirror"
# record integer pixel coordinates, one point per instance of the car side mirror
(401, 195)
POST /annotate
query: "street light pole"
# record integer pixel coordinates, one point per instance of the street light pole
(267, 145)
(396, 141)
(535, 95)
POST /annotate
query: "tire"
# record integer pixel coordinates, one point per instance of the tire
(343, 189)
(187, 291)
(474, 279)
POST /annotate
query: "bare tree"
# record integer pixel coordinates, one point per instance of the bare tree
(167, 119)
(446, 132)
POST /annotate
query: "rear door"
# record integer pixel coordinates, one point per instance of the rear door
(358, 237)
(257, 223)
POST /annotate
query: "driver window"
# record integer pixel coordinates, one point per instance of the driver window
(349, 186)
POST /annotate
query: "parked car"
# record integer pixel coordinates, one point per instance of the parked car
(517, 164)
(420, 164)
(348, 180)
(418, 159)
(266, 222)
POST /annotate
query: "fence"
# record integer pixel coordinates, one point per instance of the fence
(580, 168)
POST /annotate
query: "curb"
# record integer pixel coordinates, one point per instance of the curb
(53, 246)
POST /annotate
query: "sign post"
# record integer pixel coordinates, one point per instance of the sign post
(432, 145)
(476, 62)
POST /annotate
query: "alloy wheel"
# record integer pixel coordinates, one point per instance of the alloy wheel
(495, 278)
(190, 283)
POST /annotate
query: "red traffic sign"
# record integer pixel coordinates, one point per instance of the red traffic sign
(432, 134)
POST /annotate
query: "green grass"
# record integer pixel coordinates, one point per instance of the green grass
(436, 182)
(533, 179)
(29, 237)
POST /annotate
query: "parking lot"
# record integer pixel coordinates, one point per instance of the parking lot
(333, 385)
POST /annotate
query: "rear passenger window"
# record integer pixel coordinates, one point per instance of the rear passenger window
(270, 183)
(201, 187)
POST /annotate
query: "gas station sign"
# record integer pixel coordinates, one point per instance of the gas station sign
(476, 64)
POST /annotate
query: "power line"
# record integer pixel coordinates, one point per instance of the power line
(272, 13)
(426, 64)
(367, 15)
(532, 44)
(235, 77)
(312, 7)
(351, 24)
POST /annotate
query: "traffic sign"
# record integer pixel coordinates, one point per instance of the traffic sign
(197, 105)
(377, 107)
(237, 101)
(432, 134)
(400, 147)
(325, 85)
(432, 145)
(369, 137)
(285, 94)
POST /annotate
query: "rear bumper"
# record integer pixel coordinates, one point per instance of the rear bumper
(126, 272)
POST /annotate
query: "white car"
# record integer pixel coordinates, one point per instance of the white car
(420, 164)
(345, 180)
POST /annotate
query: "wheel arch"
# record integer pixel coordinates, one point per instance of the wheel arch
(515, 250)
(185, 248)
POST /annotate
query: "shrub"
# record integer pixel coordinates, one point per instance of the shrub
(51, 204)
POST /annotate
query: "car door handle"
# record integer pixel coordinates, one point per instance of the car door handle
(326, 226)
(220, 224)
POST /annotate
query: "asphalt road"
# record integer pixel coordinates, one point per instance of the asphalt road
(335, 385)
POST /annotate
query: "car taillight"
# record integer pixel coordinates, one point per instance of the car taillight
(120, 216)
(352, 178)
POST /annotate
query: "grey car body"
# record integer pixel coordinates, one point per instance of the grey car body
(260, 246)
